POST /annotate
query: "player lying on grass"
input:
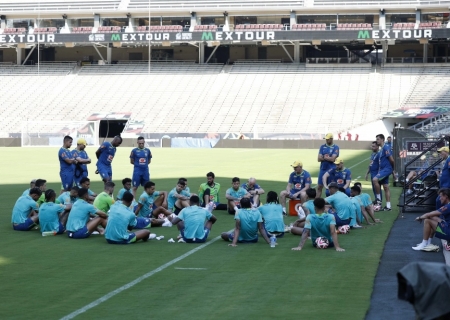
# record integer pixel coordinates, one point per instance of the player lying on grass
(320, 224)
(436, 223)
(52, 216)
(121, 220)
(234, 195)
(209, 192)
(248, 222)
(153, 203)
(272, 213)
(24, 214)
(194, 222)
(79, 225)
(178, 197)
(308, 208)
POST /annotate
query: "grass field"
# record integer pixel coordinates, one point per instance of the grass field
(51, 277)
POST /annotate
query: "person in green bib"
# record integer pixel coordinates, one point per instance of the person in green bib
(209, 193)
(103, 201)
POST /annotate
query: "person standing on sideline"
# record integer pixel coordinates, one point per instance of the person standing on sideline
(328, 153)
(444, 178)
(386, 165)
(82, 158)
(374, 166)
(105, 155)
(66, 162)
(140, 158)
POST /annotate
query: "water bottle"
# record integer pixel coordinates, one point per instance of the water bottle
(48, 233)
(273, 241)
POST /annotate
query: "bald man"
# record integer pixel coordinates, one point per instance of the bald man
(255, 190)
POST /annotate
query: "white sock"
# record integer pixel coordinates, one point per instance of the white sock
(424, 243)
(379, 197)
(235, 209)
(407, 180)
(429, 241)
(388, 204)
(284, 210)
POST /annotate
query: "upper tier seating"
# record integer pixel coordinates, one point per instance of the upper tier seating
(258, 27)
(309, 26)
(354, 26)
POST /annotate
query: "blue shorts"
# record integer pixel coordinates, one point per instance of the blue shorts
(319, 180)
(131, 239)
(140, 178)
(339, 221)
(61, 229)
(231, 237)
(443, 230)
(196, 240)
(143, 223)
(105, 172)
(24, 226)
(80, 234)
(77, 180)
(292, 192)
(66, 180)
(383, 176)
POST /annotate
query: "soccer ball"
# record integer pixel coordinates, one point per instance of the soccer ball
(446, 246)
(344, 229)
(376, 207)
(161, 216)
(322, 243)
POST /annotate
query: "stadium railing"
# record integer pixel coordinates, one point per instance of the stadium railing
(43, 5)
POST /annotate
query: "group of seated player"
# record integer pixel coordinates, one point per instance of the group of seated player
(80, 212)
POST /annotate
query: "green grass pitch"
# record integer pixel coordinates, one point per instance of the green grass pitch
(51, 277)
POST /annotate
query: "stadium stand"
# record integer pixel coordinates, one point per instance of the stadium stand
(434, 127)
(403, 26)
(47, 5)
(309, 27)
(354, 26)
(430, 25)
(259, 27)
(82, 30)
(157, 67)
(45, 30)
(53, 69)
(14, 30)
(200, 28)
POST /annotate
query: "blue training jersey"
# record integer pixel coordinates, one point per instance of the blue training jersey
(298, 181)
(374, 164)
(83, 155)
(141, 158)
(444, 179)
(107, 153)
(340, 176)
(332, 150)
(63, 155)
(385, 153)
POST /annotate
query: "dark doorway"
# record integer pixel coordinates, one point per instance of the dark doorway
(221, 55)
(135, 56)
(48, 54)
(262, 53)
(111, 128)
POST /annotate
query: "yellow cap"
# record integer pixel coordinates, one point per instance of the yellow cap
(82, 141)
(443, 149)
(338, 161)
(329, 136)
(297, 164)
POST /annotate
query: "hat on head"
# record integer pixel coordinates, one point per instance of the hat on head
(33, 181)
(443, 149)
(82, 141)
(333, 185)
(297, 164)
(329, 136)
(338, 160)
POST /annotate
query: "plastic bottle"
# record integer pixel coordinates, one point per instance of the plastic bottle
(48, 233)
(273, 241)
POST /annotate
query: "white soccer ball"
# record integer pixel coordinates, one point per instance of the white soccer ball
(344, 229)
(322, 243)
(376, 207)
(446, 245)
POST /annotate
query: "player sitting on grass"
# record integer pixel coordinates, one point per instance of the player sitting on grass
(178, 197)
(126, 183)
(366, 199)
(436, 222)
(308, 208)
(68, 197)
(194, 222)
(42, 185)
(24, 214)
(120, 220)
(86, 183)
(78, 225)
(209, 193)
(248, 222)
(27, 192)
(104, 200)
(299, 182)
(320, 224)
(272, 213)
(344, 211)
(361, 211)
(234, 195)
(255, 191)
(53, 216)
(152, 203)
(339, 174)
